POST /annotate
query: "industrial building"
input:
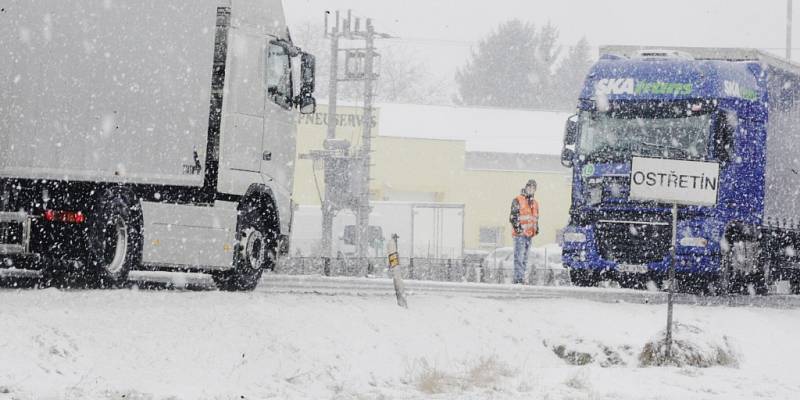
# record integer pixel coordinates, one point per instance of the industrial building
(478, 157)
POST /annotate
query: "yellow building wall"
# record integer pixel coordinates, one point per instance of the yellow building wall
(418, 165)
(436, 167)
(311, 132)
(488, 203)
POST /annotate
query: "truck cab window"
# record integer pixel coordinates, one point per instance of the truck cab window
(278, 78)
(605, 136)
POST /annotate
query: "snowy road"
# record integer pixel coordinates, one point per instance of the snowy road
(456, 341)
(316, 284)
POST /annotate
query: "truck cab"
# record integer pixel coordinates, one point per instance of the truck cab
(166, 148)
(663, 104)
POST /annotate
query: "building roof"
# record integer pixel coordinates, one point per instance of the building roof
(483, 129)
(491, 161)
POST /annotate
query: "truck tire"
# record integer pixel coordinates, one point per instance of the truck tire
(742, 269)
(582, 277)
(114, 240)
(794, 282)
(255, 251)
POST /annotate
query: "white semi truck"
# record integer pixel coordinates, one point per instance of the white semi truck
(147, 134)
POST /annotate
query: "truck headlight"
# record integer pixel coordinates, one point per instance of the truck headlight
(574, 237)
(692, 241)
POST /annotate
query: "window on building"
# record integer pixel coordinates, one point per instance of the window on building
(491, 235)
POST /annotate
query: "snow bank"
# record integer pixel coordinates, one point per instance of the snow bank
(181, 345)
(692, 346)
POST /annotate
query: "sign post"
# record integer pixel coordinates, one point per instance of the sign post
(668, 338)
(676, 182)
(394, 264)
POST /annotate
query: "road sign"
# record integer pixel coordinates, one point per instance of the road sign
(674, 181)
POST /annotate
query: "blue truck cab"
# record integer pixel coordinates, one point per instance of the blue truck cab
(736, 107)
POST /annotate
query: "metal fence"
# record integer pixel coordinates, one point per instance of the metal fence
(447, 270)
(429, 269)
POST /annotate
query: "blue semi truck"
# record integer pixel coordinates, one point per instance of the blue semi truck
(737, 107)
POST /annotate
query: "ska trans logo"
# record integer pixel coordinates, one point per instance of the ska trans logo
(733, 89)
(635, 87)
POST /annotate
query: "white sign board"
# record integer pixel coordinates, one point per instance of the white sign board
(674, 181)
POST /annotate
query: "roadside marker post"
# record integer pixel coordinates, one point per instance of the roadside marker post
(676, 182)
(394, 264)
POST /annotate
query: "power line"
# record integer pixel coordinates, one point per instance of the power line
(466, 43)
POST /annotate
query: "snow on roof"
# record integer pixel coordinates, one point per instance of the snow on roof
(492, 161)
(483, 129)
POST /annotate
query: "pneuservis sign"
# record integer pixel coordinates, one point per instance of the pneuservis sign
(674, 181)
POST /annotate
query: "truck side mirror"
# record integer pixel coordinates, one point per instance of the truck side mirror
(307, 104)
(570, 137)
(567, 157)
(571, 131)
(305, 100)
(724, 136)
(307, 69)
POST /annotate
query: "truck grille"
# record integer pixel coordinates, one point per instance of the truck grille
(633, 242)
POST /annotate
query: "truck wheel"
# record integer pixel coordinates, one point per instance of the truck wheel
(255, 251)
(632, 280)
(794, 282)
(720, 284)
(114, 240)
(582, 277)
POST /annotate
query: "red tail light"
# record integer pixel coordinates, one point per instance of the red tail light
(68, 217)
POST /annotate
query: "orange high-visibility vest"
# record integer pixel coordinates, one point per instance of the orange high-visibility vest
(528, 216)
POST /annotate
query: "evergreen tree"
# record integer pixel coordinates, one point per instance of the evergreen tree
(512, 67)
(571, 73)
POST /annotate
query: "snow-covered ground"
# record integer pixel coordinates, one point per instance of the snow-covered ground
(143, 344)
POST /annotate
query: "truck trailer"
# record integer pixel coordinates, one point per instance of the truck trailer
(739, 108)
(144, 134)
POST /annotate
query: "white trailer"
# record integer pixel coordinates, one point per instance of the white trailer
(426, 229)
(154, 134)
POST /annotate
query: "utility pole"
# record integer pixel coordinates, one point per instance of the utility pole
(347, 175)
(368, 75)
(327, 205)
(789, 30)
(362, 215)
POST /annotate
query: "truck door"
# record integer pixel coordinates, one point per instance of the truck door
(278, 135)
(241, 143)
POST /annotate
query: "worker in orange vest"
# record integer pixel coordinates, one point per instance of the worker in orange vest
(524, 226)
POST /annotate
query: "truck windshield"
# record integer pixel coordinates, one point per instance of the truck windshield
(606, 137)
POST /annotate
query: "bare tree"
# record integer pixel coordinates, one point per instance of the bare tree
(403, 78)
(571, 73)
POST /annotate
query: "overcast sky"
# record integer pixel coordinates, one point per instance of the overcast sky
(442, 31)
